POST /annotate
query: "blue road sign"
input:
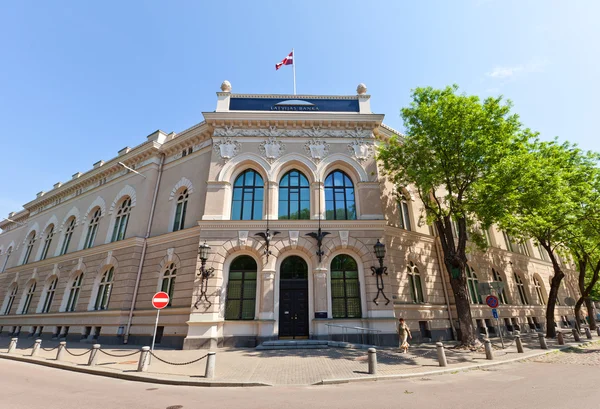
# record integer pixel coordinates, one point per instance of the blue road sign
(492, 301)
(495, 313)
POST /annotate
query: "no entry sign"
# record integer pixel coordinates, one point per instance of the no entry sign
(160, 300)
(492, 301)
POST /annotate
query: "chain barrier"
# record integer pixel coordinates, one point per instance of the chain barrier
(177, 363)
(71, 353)
(49, 349)
(119, 356)
(29, 347)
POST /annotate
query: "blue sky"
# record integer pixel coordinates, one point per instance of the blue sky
(80, 80)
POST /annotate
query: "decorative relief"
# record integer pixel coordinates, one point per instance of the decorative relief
(227, 131)
(170, 253)
(270, 132)
(294, 238)
(360, 149)
(317, 149)
(271, 149)
(108, 257)
(344, 237)
(56, 270)
(227, 148)
(243, 237)
(273, 131)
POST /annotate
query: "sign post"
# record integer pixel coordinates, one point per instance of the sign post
(492, 301)
(159, 301)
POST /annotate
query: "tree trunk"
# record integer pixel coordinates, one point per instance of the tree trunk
(463, 309)
(589, 305)
(578, 305)
(553, 295)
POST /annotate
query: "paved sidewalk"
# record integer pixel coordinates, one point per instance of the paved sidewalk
(281, 367)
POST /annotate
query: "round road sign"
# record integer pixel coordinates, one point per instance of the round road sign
(160, 300)
(492, 301)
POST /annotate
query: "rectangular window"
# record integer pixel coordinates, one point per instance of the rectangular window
(345, 294)
(241, 295)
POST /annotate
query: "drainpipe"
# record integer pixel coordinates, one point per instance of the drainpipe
(144, 247)
(438, 251)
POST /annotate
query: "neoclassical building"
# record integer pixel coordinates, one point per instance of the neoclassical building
(257, 180)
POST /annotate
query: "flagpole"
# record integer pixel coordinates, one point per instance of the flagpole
(294, 68)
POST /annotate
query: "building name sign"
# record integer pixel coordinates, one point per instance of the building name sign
(294, 108)
(293, 105)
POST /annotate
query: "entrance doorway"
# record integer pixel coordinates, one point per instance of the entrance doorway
(293, 298)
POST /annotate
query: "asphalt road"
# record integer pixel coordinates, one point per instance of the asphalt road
(521, 385)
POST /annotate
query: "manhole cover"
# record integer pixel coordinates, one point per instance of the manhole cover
(175, 407)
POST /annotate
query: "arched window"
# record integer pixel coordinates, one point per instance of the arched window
(180, 209)
(345, 288)
(68, 235)
(521, 289)
(74, 293)
(241, 289)
(414, 281)
(248, 192)
(538, 289)
(28, 298)
(50, 291)
(47, 241)
(29, 249)
(472, 283)
(11, 299)
(121, 220)
(168, 281)
(501, 294)
(103, 294)
(339, 197)
(294, 196)
(404, 213)
(92, 229)
(8, 252)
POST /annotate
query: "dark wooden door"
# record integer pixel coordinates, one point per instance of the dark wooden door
(293, 312)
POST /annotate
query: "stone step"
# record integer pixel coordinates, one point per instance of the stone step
(280, 347)
(297, 342)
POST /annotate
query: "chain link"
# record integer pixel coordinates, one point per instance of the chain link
(118, 356)
(71, 353)
(177, 363)
(49, 349)
(28, 347)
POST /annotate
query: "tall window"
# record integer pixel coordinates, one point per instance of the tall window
(29, 249)
(472, 283)
(74, 293)
(168, 281)
(542, 251)
(523, 249)
(414, 281)
(345, 288)
(121, 220)
(28, 298)
(11, 299)
(241, 289)
(90, 236)
(103, 294)
(248, 192)
(404, 213)
(521, 289)
(508, 242)
(50, 295)
(294, 196)
(339, 197)
(180, 209)
(538, 289)
(8, 252)
(68, 236)
(501, 294)
(47, 241)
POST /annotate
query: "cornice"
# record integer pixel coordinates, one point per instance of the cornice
(293, 119)
(103, 248)
(174, 236)
(231, 225)
(398, 232)
(288, 96)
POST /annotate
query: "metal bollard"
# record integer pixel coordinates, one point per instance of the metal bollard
(441, 353)
(36, 347)
(143, 363)
(588, 333)
(12, 347)
(542, 339)
(489, 354)
(60, 351)
(372, 360)
(211, 361)
(576, 335)
(519, 344)
(94, 355)
(560, 337)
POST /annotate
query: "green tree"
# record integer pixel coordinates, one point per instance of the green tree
(552, 188)
(452, 143)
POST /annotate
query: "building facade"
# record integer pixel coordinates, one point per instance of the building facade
(257, 181)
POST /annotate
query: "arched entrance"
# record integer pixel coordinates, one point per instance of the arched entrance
(293, 298)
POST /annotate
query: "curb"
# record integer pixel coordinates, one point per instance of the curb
(337, 381)
(129, 376)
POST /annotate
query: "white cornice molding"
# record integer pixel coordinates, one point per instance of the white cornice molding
(288, 96)
(260, 118)
(292, 224)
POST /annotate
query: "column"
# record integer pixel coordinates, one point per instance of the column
(272, 206)
(317, 191)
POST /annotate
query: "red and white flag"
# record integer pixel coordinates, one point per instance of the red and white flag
(289, 60)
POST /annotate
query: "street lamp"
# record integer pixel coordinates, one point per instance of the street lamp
(204, 273)
(378, 272)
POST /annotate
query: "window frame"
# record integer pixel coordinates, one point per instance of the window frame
(167, 282)
(345, 280)
(49, 295)
(521, 289)
(29, 248)
(472, 285)
(74, 291)
(49, 235)
(243, 299)
(121, 220)
(181, 209)
(404, 213)
(68, 235)
(104, 290)
(92, 230)
(537, 284)
(416, 289)
(497, 278)
(253, 190)
(330, 186)
(285, 200)
(28, 297)
(11, 299)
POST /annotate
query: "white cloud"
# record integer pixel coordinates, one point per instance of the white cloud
(507, 72)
